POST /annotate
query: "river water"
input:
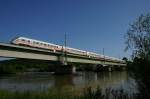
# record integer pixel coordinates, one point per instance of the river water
(46, 81)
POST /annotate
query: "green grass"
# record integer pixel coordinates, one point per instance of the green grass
(88, 93)
(33, 95)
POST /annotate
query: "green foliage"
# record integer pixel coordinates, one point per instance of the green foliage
(22, 65)
(88, 93)
(91, 94)
(125, 59)
(32, 95)
(138, 40)
(140, 71)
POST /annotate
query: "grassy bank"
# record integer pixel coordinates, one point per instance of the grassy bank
(88, 93)
(32, 95)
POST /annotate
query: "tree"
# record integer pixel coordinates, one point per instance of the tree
(125, 59)
(138, 37)
(138, 40)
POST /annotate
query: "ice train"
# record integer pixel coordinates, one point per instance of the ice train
(23, 41)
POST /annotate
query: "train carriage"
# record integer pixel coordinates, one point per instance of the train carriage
(36, 43)
(75, 51)
(53, 47)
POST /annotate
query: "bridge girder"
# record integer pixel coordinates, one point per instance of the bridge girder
(14, 51)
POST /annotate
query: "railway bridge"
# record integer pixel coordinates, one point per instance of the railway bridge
(16, 51)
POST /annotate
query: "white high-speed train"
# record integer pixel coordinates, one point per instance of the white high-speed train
(23, 41)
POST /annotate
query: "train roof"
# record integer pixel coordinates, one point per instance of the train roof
(75, 49)
(37, 41)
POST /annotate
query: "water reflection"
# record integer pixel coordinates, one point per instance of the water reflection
(61, 82)
(46, 81)
(24, 82)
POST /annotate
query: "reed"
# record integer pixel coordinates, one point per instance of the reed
(88, 93)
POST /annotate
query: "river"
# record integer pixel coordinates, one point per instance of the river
(39, 81)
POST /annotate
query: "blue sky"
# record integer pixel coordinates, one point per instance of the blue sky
(90, 24)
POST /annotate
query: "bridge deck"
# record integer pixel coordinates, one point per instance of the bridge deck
(16, 51)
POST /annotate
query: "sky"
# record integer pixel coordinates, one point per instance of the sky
(90, 25)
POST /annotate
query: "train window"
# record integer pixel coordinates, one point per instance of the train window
(28, 40)
(55, 46)
(52, 46)
(37, 42)
(23, 39)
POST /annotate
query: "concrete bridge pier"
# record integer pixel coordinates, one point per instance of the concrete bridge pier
(123, 68)
(110, 69)
(73, 69)
(65, 69)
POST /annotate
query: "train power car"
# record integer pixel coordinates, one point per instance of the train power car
(36, 44)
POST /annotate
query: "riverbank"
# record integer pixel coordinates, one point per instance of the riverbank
(48, 86)
(88, 93)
